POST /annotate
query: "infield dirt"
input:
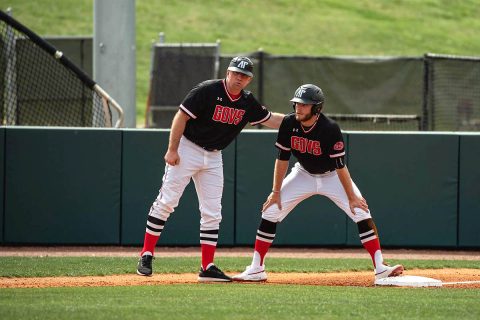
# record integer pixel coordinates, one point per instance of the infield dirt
(362, 279)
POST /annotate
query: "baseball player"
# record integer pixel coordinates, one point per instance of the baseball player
(210, 117)
(317, 143)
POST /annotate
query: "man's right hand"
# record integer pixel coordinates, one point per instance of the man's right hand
(274, 197)
(172, 158)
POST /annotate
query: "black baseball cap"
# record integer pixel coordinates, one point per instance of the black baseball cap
(241, 64)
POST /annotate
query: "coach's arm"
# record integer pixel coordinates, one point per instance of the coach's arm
(178, 126)
(274, 121)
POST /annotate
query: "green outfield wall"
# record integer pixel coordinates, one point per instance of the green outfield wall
(469, 191)
(2, 178)
(62, 186)
(410, 182)
(95, 186)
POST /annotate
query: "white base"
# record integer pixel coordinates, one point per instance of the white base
(409, 281)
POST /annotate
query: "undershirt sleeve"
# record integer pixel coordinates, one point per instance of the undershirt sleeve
(339, 162)
(283, 141)
(283, 155)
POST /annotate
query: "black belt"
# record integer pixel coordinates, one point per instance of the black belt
(327, 171)
(320, 173)
(204, 148)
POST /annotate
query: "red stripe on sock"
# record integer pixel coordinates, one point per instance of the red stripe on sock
(372, 246)
(149, 243)
(262, 248)
(208, 253)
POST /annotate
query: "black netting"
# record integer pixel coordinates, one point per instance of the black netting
(361, 93)
(439, 93)
(453, 93)
(175, 70)
(352, 85)
(377, 122)
(36, 89)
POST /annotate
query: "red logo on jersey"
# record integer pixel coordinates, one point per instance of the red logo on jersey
(304, 145)
(338, 146)
(228, 115)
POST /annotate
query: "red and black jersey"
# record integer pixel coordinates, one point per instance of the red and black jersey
(216, 117)
(319, 148)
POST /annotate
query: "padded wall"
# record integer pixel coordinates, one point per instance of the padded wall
(469, 191)
(77, 186)
(143, 168)
(410, 183)
(62, 186)
(316, 221)
(2, 180)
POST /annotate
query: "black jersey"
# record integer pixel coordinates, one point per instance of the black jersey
(216, 117)
(317, 148)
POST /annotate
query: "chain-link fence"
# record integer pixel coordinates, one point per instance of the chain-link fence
(176, 68)
(39, 86)
(452, 93)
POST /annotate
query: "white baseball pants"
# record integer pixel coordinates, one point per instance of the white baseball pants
(206, 169)
(299, 185)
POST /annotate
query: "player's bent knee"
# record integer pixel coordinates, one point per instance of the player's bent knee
(275, 218)
(360, 215)
(160, 211)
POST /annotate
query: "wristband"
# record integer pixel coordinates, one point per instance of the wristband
(273, 191)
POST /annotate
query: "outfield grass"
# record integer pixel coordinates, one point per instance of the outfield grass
(239, 301)
(82, 266)
(229, 300)
(305, 27)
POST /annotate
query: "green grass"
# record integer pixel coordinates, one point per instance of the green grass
(226, 301)
(303, 27)
(238, 301)
(82, 266)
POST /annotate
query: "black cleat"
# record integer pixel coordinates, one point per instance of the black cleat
(144, 267)
(213, 274)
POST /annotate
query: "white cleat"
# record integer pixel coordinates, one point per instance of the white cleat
(388, 271)
(254, 274)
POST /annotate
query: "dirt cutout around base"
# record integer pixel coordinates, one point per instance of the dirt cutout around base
(359, 279)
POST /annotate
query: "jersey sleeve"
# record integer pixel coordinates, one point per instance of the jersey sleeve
(194, 101)
(283, 141)
(336, 146)
(257, 113)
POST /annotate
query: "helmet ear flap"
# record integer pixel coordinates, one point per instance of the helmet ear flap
(318, 108)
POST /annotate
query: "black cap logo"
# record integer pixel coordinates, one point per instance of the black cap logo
(241, 64)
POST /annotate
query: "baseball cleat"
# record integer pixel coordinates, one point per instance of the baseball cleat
(254, 274)
(388, 271)
(144, 266)
(212, 274)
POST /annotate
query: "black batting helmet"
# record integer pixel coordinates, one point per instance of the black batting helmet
(309, 94)
(241, 64)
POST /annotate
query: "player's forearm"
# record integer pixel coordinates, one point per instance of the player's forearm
(178, 127)
(346, 181)
(281, 167)
(274, 121)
